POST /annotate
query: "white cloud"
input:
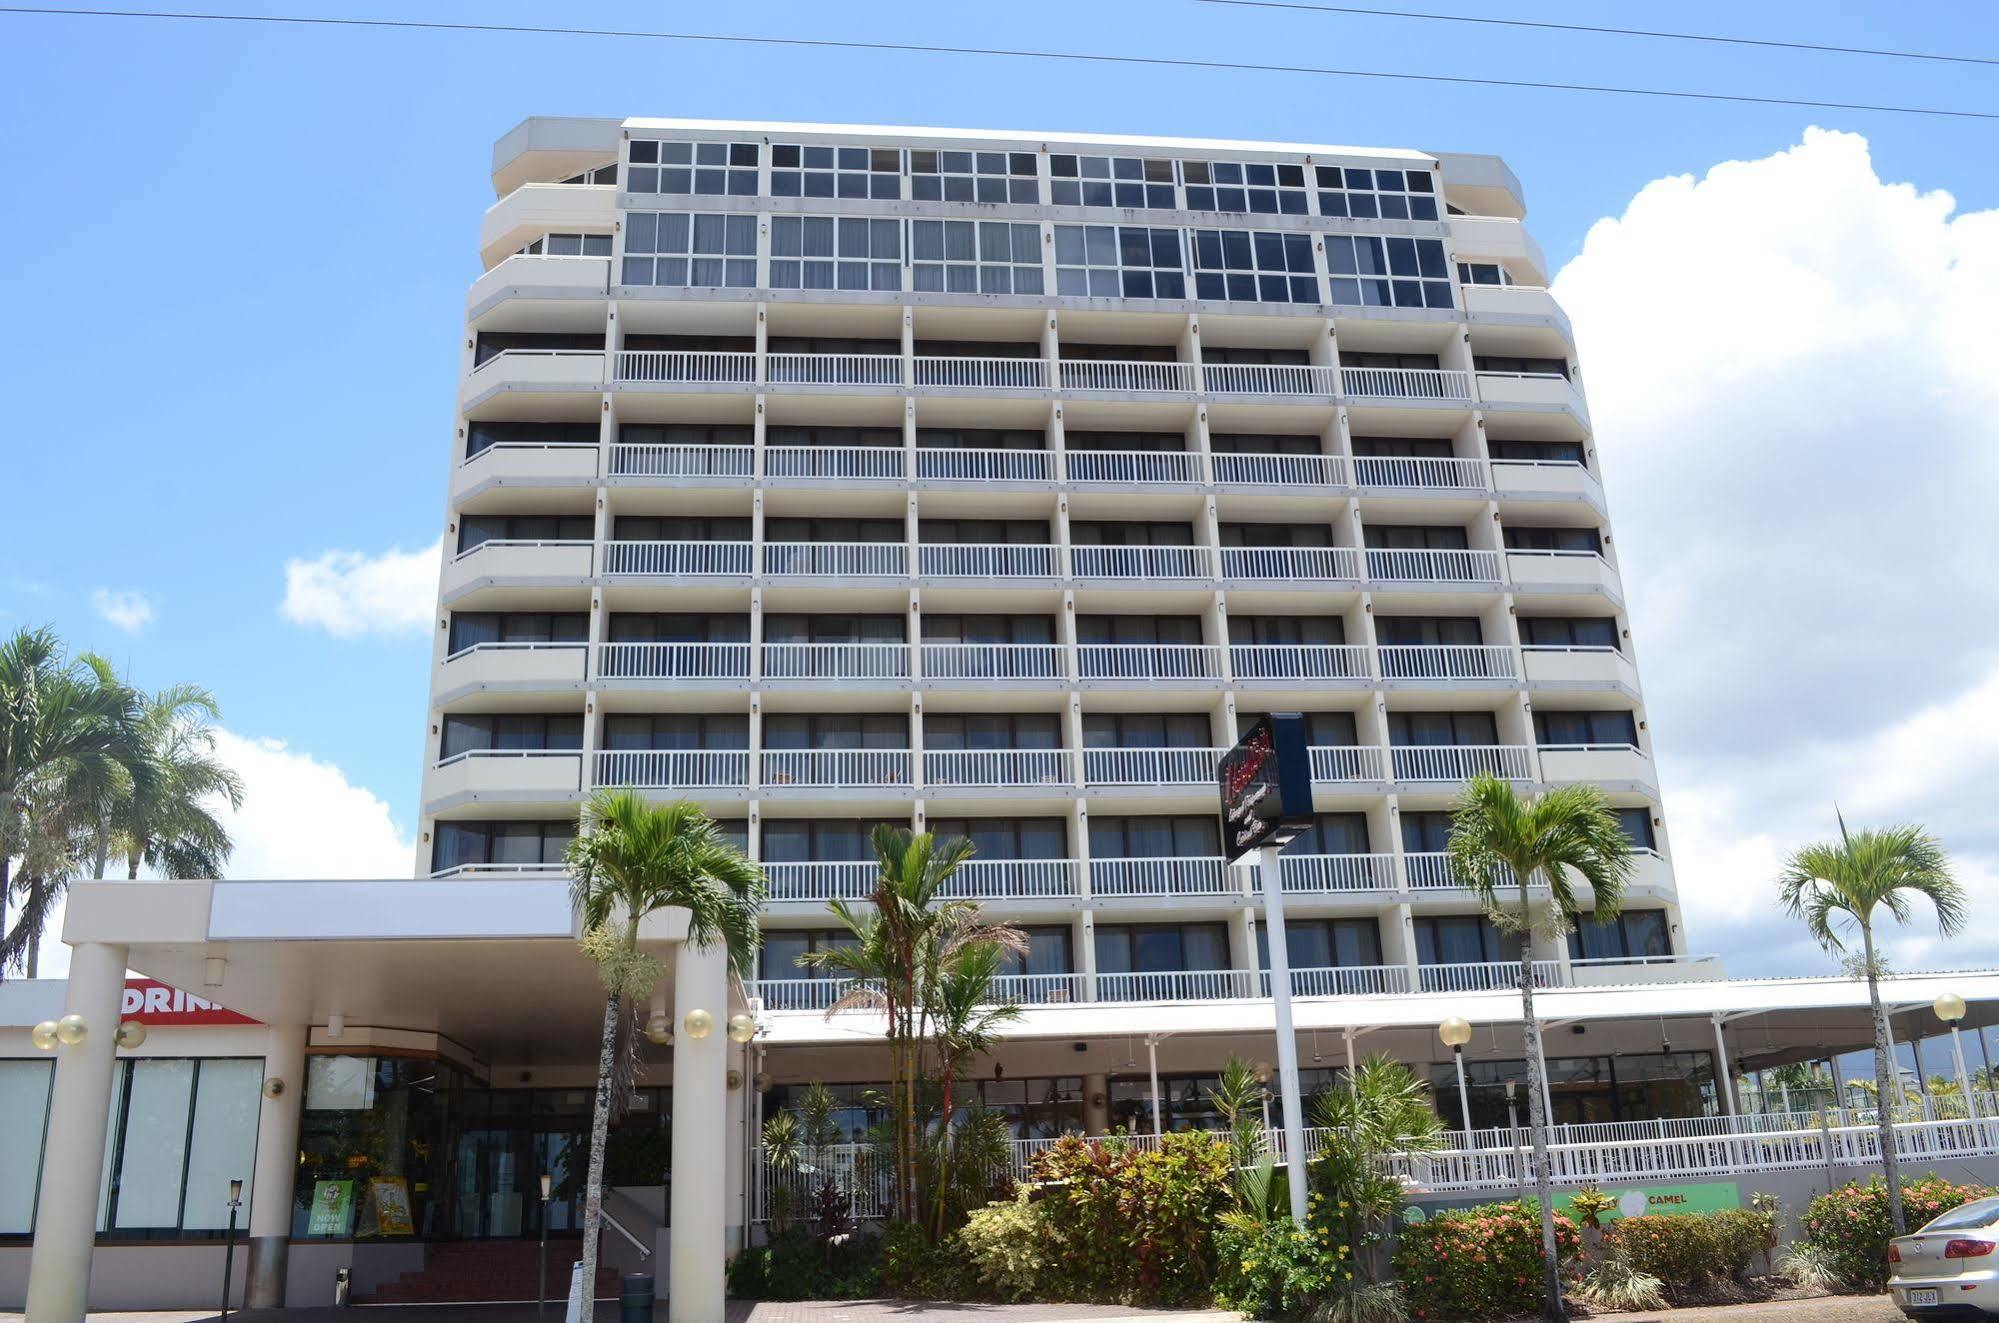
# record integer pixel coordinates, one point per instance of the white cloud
(127, 608)
(349, 594)
(1787, 365)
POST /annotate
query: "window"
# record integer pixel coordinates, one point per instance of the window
(833, 528)
(992, 730)
(945, 628)
(1553, 539)
(1262, 443)
(1464, 939)
(1582, 728)
(1637, 826)
(1324, 943)
(1146, 730)
(569, 245)
(1537, 452)
(860, 438)
(513, 731)
(1252, 186)
(1047, 952)
(1400, 447)
(686, 434)
(677, 730)
(1144, 631)
(1254, 266)
(975, 257)
(471, 628)
(979, 438)
(1568, 632)
(1442, 728)
(820, 171)
(951, 176)
(1415, 537)
(712, 169)
(681, 528)
(1376, 194)
(1276, 535)
(631, 627)
(1287, 631)
(1008, 838)
(474, 530)
(836, 730)
(1078, 439)
(181, 1130)
(829, 252)
(1323, 730)
(488, 344)
(1161, 948)
(603, 174)
(1130, 533)
(1428, 631)
(1425, 831)
(1119, 261)
(816, 840)
(1110, 181)
(504, 844)
(1184, 836)
(24, 1095)
(984, 532)
(1333, 833)
(480, 435)
(784, 949)
(1632, 935)
(692, 250)
(791, 628)
(1533, 367)
(1385, 273)
(1483, 273)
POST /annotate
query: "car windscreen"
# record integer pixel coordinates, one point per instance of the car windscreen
(1977, 1213)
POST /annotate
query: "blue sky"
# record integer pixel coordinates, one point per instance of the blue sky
(240, 252)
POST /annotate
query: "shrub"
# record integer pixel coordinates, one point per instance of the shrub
(1849, 1232)
(1277, 1269)
(913, 1267)
(795, 1265)
(1479, 1263)
(1615, 1285)
(1131, 1227)
(1360, 1302)
(1008, 1247)
(1686, 1251)
(1811, 1266)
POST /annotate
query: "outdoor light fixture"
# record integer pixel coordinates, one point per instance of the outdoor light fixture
(131, 1034)
(211, 970)
(336, 1025)
(1262, 1070)
(1455, 1033)
(1950, 1009)
(659, 1031)
(761, 1081)
(742, 1027)
(698, 1024)
(43, 1035)
(72, 1029)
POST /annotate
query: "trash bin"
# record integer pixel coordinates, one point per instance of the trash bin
(635, 1298)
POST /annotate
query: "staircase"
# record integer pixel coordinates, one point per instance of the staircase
(485, 1271)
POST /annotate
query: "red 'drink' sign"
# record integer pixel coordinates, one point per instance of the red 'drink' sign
(151, 1002)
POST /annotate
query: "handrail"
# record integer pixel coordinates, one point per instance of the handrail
(645, 1251)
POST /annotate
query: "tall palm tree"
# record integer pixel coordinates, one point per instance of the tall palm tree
(1501, 847)
(160, 811)
(965, 1020)
(630, 859)
(1842, 884)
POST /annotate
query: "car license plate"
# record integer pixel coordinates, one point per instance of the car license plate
(1919, 1297)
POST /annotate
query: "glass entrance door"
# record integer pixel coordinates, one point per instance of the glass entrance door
(495, 1183)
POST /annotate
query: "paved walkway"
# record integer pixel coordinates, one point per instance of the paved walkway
(740, 1311)
(1816, 1309)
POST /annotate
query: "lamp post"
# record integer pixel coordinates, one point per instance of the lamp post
(1455, 1033)
(229, 1243)
(1949, 1008)
(541, 1264)
(1263, 1072)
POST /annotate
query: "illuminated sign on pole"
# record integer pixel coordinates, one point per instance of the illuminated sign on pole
(1266, 784)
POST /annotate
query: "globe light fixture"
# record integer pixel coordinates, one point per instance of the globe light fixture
(1263, 1071)
(659, 1031)
(1455, 1032)
(72, 1029)
(131, 1034)
(698, 1024)
(742, 1027)
(761, 1081)
(43, 1035)
(1949, 1007)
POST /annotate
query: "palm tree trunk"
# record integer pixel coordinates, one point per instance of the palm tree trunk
(1887, 1094)
(102, 855)
(600, 1128)
(1537, 1124)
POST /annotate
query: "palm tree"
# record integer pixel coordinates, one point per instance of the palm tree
(1383, 1111)
(1501, 842)
(1835, 885)
(159, 812)
(630, 859)
(964, 1022)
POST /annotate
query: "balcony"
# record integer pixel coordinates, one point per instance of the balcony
(820, 881)
(1177, 985)
(1563, 572)
(531, 210)
(846, 463)
(1539, 392)
(673, 661)
(539, 277)
(1156, 661)
(985, 662)
(1422, 473)
(1448, 662)
(1150, 767)
(512, 666)
(1431, 870)
(1336, 763)
(677, 559)
(837, 560)
(983, 373)
(835, 661)
(538, 369)
(686, 367)
(1596, 762)
(1291, 564)
(1627, 971)
(1013, 879)
(833, 769)
(800, 994)
(542, 871)
(506, 562)
(1542, 479)
(1037, 989)
(1492, 976)
(1279, 470)
(1579, 668)
(1083, 374)
(1425, 385)
(881, 370)
(1200, 876)
(525, 464)
(1329, 874)
(998, 767)
(1423, 565)
(1133, 466)
(987, 560)
(630, 460)
(516, 774)
(673, 769)
(1269, 379)
(1096, 562)
(1298, 661)
(948, 464)
(1517, 305)
(1460, 762)
(1651, 874)
(1345, 981)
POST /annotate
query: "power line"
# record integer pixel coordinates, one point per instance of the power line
(1085, 57)
(1713, 37)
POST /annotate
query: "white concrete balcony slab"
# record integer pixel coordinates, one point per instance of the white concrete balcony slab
(1651, 874)
(880, 370)
(1269, 379)
(512, 666)
(1084, 374)
(673, 661)
(1460, 762)
(982, 373)
(1630, 971)
(1328, 874)
(987, 662)
(836, 769)
(820, 881)
(1423, 474)
(952, 464)
(1133, 466)
(835, 661)
(1197, 876)
(1596, 762)
(1137, 661)
(1518, 305)
(632, 460)
(686, 367)
(1150, 767)
(1054, 768)
(987, 560)
(512, 562)
(1344, 981)
(520, 774)
(1557, 667)
(1423, 385)
(1448, 663)
(1177, 985)
(1485, 976)
(527, 275)
(1144, 563)
(840, 560)
(1546, 480)
(1298, 661)
(1291, 564)
(532, 210)
(1495, 238)
(677, 559)
(1537, 392)
(673, 769)
(1336, 763)
(537, 369)
(1563, 571)
(881, 463)
(1014, 879)
(1280, 470)
(525, 464)
(1423, 565)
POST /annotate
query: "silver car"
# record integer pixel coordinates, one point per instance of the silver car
(1951, 1266)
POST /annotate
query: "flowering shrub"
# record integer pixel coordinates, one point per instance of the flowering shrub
(1848, 1229)
(1008, 1247)
(1277, 1269)
(1686, 1251)
(1128, 1226)
(1479, 1263)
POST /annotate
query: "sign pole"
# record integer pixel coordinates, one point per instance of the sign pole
(1268, 864)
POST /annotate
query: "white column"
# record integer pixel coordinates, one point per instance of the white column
(1268, 860)
(1152, 1068)
(1724, 1078)
(73, 1153)
(697, 1218)
(276, 1167)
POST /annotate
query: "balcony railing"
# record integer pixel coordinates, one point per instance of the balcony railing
(1460, 762)
(1344, 981)
(1447, 661)
(1199, 876)
(837, 559)
(631, 460)
(1134, 466)
(1037, 989)
(1346, 762)
(800, 994)
(1094, 562)
(951, 464)
(833, 369)
(673, 661)
(998, 767)
(1298, 661)
(1406, 384)
(1290, 563)
(834, 768)
(983, 373)
(820, 881)
(1177, 985)
(833, 462)
(1150, 661)
(1148, 767)
(986, 560)
(1410, 471)
(1269, 379)
(1279, 470)
(836, 661)
(1442, 565)
(1484, 976)
(672, 769)
(1118, 375)
(694, 366)
(677, 558)
(1013, 879)
(1320, 873)
(993, 661)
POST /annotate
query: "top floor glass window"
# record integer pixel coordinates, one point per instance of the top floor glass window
(1110, 181)
(1376, 194)
(1252, 186)
(975, 257)
(1255, 266)
(820, 171)
(712, 169)
(698, 250)
(1119, 261)
(953, 176)
(603, 174)
(829, 252)
(1388, 273)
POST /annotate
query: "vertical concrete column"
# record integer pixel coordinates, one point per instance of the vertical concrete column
(276, 1168)
(697, 1217)
(1096, 1115)
(73, 1152)
(735, 1191)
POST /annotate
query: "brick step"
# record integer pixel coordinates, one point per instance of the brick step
(477, 1271)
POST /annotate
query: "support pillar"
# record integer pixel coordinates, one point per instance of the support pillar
(697, 1217)
(1724, 1077)
(276, 1169)
(73, 1153)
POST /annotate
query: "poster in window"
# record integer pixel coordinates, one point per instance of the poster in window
(392, 1206)
(332, 1207)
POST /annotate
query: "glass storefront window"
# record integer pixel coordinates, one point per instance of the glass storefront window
(1636, 1087)
(24, 1101)
(180, 1130)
